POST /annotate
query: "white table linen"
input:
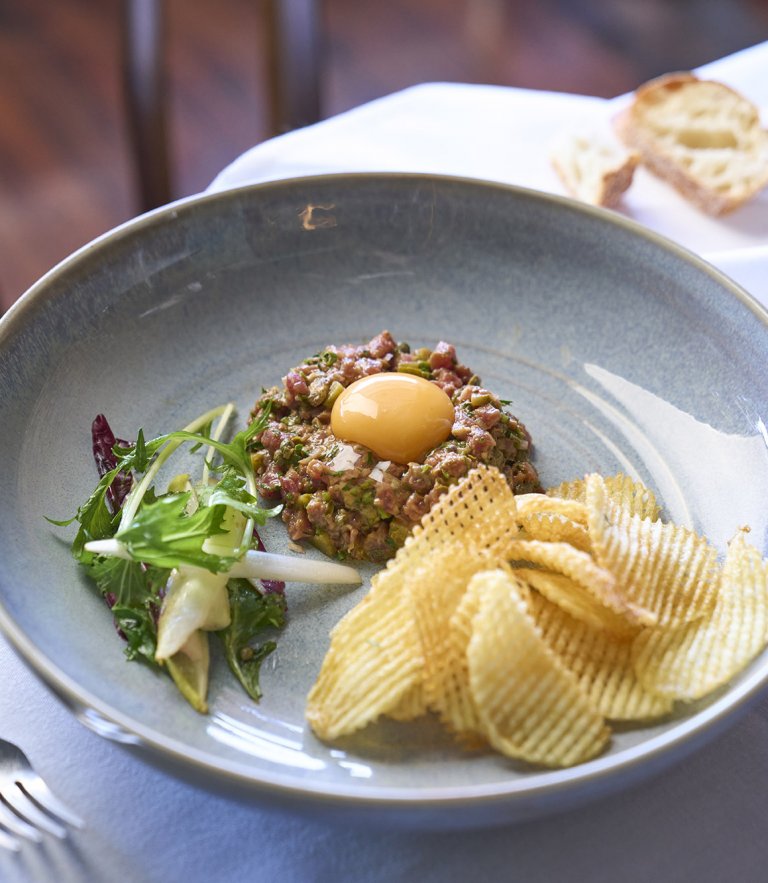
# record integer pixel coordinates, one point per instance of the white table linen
(703, 820)
(504, 134)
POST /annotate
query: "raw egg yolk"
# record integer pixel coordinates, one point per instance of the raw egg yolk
(399, 417)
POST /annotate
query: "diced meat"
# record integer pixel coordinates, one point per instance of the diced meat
(443, 356)
(345, 501)
(487, 416)
(296, 383)
(382, 345)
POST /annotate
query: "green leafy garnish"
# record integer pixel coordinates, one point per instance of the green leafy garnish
(153, 535)
(163, 534)
(177, 564)
(133, 591)
(252, 614)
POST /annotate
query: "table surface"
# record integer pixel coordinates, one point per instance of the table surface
(702, 820)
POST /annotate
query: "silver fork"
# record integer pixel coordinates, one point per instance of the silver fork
(23, 797)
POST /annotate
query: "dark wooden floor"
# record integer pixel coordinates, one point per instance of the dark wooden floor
(65, 171)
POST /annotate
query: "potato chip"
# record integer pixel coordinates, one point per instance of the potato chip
(601, 662)
(437, 596)
(569, 490)
(411, 705)
(576, 601)
(478, 513)
(631, 495)
(553, 528)
(531, 504)
(457, 709)
(691, 661)
(375, 658)
(661, 568)
(582, 569)
(529, 705)
(483, 515)
(377, 651)
(528, 622)
(552, 519)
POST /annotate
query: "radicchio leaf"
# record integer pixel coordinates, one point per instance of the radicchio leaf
(103, 441)
(271, 586)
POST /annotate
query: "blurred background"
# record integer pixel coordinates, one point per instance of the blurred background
(67, 170)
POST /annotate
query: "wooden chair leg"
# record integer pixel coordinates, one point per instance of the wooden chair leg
(144, 81)
(293, 44)
(293, 31)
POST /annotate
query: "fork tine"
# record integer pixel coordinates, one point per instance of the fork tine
(16, 825)
(36, 788)
(9, 842)
(25, 807)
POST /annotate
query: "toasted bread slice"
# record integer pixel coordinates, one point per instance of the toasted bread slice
(593, 167)
(701, 136)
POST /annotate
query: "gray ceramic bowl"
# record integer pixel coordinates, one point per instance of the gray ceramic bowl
(617, 349)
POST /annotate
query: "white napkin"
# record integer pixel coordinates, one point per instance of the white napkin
(504, 134)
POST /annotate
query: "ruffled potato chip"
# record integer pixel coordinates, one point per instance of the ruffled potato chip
(486, 509)
(395, 640)
(576, 601)
(529, 705)
(691, 661)
(434, 605)
(582, 568)
(411, 705)
(528, 623)
(375, 658)
(602, 663)
(664, 569)
(537, 504)
(553, 528)
(632, 496)
(551, 519)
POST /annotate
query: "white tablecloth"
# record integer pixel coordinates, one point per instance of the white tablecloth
(504, 135)
(704, 820)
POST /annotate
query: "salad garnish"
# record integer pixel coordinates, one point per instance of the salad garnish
(176, 564)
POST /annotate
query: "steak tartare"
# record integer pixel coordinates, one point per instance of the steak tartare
(340, 496)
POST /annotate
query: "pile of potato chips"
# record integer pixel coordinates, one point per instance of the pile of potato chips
(529, 622)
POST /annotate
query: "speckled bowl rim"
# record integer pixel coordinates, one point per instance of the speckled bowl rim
(601, 775)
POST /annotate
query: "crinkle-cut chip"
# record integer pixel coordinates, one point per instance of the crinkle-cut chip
(631, 495)
(435, 602)
(376, 655)
(458, 710)
(581, 568)
(575, 600)
(374, 660)
(530, 706)
(601, 662)
(569, 490)
(531, 504)
(691, 661)
(662, 568)
(477, 512)
(458, 713)
(552, 528)
(411, 705)
(473, 523)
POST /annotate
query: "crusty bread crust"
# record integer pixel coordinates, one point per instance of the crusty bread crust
(701, 136)
(593, 169)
